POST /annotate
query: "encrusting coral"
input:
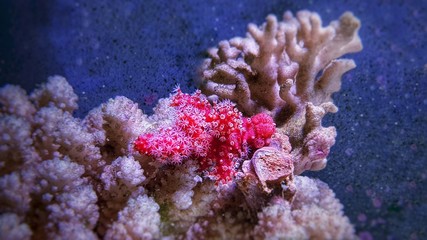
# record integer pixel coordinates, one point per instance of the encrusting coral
(195, 169)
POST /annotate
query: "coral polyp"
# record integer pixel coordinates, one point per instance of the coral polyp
(216, 135)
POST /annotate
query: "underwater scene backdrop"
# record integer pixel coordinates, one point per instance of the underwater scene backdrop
(143, 49)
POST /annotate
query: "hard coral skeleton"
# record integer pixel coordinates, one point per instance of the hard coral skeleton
(67, 178)
(289, 69)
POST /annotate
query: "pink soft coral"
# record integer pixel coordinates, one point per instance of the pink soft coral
(217, 135)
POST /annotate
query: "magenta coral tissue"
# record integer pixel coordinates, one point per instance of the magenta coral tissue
(217, 135)
(221, 163)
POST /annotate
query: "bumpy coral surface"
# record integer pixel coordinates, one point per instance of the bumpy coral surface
(194, 169)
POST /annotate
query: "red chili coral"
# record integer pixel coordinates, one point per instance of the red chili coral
(216, 135)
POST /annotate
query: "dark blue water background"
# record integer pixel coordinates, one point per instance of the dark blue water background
(142, 49)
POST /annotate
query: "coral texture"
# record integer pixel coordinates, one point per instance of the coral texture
(289, 69)
(314, 213)
(194, 169)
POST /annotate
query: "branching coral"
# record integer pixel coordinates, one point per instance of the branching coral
(56, 168)
(59, 134)
(62, 197)
(194, 169)
(12, 227)
(14, 101)
(185, 201)
(15, 192)
(290, 69)
(115, 184)
(138, 220)
(56, 92)
(313, 214)
(16, 144)
(276, 66)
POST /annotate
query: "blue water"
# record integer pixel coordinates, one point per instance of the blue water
(142, 49)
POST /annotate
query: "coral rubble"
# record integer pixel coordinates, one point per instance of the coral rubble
(194, 169)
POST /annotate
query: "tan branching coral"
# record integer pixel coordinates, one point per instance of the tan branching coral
(276, 66)
(290, 69)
